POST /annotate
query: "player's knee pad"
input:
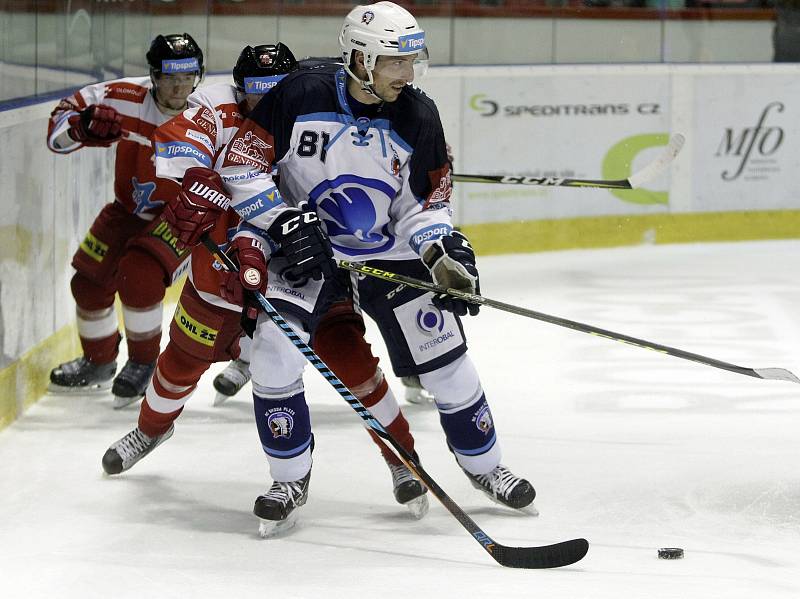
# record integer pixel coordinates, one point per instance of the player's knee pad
(340, 342)
(455, 385)
(276, 365)
(141, 279)
(90, 295)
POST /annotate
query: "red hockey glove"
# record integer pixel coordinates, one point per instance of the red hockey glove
(195, 210)
(248, 253)
(96, 125)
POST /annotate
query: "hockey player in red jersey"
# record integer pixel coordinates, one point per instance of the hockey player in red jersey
(128, 249)
(207, 320)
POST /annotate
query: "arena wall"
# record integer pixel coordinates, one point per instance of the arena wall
(734, 180)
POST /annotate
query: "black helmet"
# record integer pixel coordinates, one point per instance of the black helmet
(260, 63)
(175, 53)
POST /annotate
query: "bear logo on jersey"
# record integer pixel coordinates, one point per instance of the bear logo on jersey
(349, 207)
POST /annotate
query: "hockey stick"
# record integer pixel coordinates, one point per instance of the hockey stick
(778, 374)
(636, 180)
(547, 556)
(137, 138)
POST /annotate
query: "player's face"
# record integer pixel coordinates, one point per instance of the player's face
(173, 89)
(391, 74)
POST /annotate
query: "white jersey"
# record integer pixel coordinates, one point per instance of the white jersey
(378, 177)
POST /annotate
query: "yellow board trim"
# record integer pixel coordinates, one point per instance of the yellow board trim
(613, 231)
(27, 378)
(29, 375)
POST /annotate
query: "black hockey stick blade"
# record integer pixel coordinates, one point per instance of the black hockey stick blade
(537, 558)
(777, 374)
(636, 180)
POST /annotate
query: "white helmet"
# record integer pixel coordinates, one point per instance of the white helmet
(380, 29)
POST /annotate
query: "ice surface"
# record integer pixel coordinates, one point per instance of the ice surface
(629, 448)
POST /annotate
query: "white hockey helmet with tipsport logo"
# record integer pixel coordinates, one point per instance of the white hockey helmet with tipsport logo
(380, 29)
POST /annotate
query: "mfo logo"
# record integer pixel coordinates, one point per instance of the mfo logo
(430, 320)
(760, 139)
(485, 107)
(355, 212)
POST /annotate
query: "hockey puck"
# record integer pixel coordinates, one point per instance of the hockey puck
(670, 553)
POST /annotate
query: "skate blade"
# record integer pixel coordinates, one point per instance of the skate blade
(120, 402)
(96, 389)
(268, 529)
(531, 510)
(220, 399)
(418, 506)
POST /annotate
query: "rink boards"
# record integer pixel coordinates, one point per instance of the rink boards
(733, 180)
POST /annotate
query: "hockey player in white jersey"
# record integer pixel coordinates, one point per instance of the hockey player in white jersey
(207, 324)
(365, 152)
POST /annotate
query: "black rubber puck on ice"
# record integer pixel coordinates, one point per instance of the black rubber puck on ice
(670, 553)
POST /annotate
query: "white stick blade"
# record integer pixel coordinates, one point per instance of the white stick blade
(776, 374)
(655, 168)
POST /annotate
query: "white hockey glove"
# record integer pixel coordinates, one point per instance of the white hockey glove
(452, 264)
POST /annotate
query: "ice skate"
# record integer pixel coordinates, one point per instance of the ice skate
(231, 380)
(504, 488)
(81, 376)
(277, 507)
(123, 454)
(409, 491)
(414, 391)
(131, 383)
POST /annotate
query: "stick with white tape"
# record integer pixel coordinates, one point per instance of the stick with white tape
(635, 181)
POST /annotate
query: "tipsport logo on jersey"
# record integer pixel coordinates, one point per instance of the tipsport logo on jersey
(349, 207)
(177, 149)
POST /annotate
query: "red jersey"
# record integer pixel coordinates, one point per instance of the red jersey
(136, 186)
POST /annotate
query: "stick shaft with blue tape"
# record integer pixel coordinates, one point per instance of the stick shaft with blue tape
(549, 556)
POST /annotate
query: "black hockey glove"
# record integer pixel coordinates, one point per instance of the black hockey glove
(304, 244)
(452, 264)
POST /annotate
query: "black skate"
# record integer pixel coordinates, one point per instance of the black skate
(81, 376)
(414, 391)
(131, 383)
(231, 380)
(123, 454)
(504, 488)
(276, 508)
(408, 491)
